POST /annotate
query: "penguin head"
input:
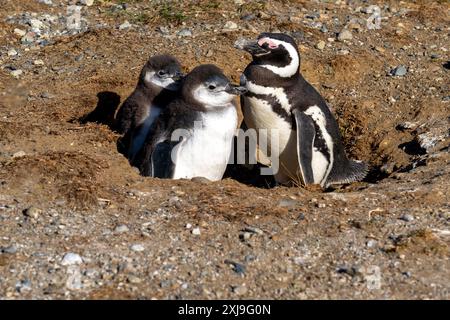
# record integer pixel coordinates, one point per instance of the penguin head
(277, 52)
(206, 85)
(161, 72)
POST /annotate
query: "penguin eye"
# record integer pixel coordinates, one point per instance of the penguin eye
(211, 87)
(161, 73)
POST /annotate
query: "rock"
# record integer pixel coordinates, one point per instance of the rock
(380, 49)
(125, 25)
(16, 73)
(371, 243)
(185, 33)
(240, 290)
(321, 45)
(73, 281)
(12, 53)
(133, 279)
(237, 267)
(406, 217)
(28, 38)
(71, 258)
(38, 62)
(23, 286)
(19, 154)
(399, 71)
(46, 95)
(324, 29)
(230, 26)
(196, 231)
(121, 229)
(47, 2)
(137, 247)
(209, 53)
(12, 249)
(163, 30)
(36, 25)
(32, 212)
(188, 226)
(254, 230)
(345, 34)
(20, 32)
(87, 3)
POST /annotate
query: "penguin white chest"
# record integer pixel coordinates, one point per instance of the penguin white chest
(206, 150)
(259, 115)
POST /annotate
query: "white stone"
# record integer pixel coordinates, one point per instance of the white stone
(125, 25)
(12, 53)
(137, 247)
(38, 62)
(121, 229)
(230, 25)
(16, 73)
(71, 258)
(20, 32)
(196, 231)
(87, 3)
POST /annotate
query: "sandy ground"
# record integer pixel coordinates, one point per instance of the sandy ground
(76, 221)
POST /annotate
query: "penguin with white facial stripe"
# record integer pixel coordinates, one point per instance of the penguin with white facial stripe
(158, 85)
(279, 98)
(193, 135)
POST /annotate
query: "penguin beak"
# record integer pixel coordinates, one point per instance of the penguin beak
(178, 76)
(235, 89)
(251, 46)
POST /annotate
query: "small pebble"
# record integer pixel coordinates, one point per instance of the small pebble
(19, 154)
(121, 229)
(16, 73)
(87, 3)
(12, 53)
(32, 212)
(345, 34)
(407, 217)
(38, 62)
(185, 33)
(321, 45)
(230, 25)
(137, 247)
(71, 258)
(196, 231)
(399, 71)
(188, 226)
(125, 25)
(133, 279)
(371, 243)
(12, 249)
(20, 32)
(240, 290)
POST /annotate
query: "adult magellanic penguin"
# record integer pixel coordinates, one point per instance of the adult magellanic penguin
(281, 104)
(193, 135)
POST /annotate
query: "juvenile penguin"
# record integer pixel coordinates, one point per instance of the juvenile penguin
(281, 102)
(193, 136)
(157, 85)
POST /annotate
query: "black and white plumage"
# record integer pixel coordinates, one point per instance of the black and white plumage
(158, 85)
(281, 102)
(193, 135)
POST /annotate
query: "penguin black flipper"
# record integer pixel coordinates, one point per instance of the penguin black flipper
(305, 143)
(161, 159)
